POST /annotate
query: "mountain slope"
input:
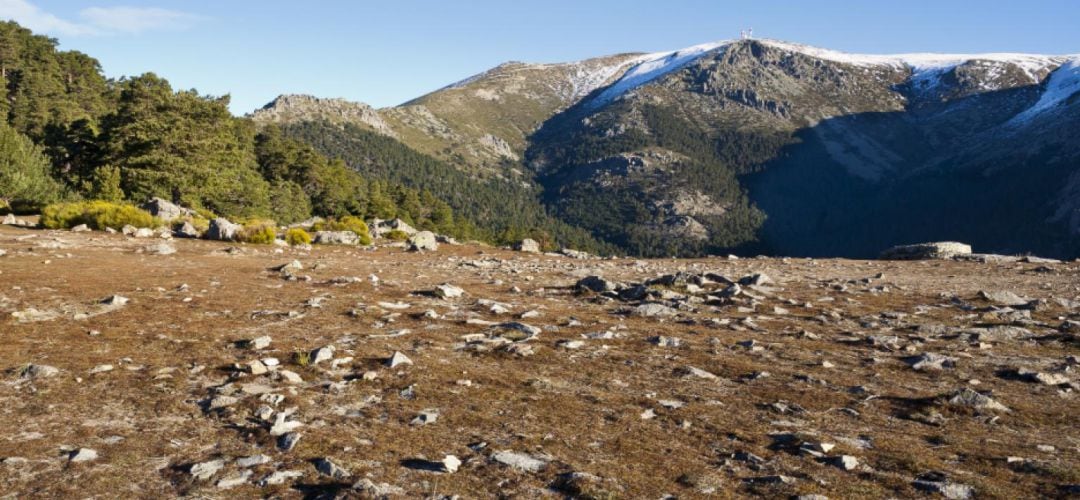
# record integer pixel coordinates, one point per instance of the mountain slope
(769, 146)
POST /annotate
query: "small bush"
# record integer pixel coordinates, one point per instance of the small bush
(397, 235)
(97, 215)
(258, 233)
(297, 236)
(347, 223)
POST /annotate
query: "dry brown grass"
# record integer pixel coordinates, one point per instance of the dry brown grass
(579, 407)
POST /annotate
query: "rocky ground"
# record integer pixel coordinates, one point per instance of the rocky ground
(146, 368)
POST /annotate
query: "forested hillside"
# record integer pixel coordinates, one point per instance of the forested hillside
(70, 133)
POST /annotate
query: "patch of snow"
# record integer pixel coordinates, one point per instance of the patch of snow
(1063, 83)
(649, 67)
(925, 68)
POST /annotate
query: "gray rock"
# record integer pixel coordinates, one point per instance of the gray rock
(369, 489)
(205, 470)
(325, 353)
(34, 372)
(83, 455)
(165, 210)
(398, 359)
(186, 230)
(238, 479)
(81, 228)
(971, 399)
(663, 341)
(448, 291)
(429, 416)
(143, 232)
(378, 228)
(335, 238)
(162, 248)
(288, 441)
(280, 477)
(922, 251)
(10, 220)
(653, 309)
(258, 343)
(527, 245)
(423, 241)
(930, 361)
(327, 467)
(253, 461)
(595, 284)
(1003, 298)
(947, 489)
(222, 230)
(845, 462)
(520, 461)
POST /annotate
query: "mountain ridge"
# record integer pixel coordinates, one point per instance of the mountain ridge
(652, 131)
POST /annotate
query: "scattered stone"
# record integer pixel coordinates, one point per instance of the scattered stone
(969, 398)
(653, 309)
(335, 238)
(663, 341)
(930, 361)
(288, 441)
(426, 417)
(280, 477)
(327, 467)
(520, 461)
(448, 291)
(451, 464)
(595, 284)
(238, 479)
(527, 245)
(253, 461)
(325, 353)
(34, 372)
(398, 359)
(83, 455)
(205, 470)
(369, 489)
(423, 241)
(845, 462)
(258, 343)
(222, 230)
(1003, 298)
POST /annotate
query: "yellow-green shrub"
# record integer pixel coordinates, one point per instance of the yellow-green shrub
(347, 223)
(97, 215)
(397, 235)
(297, 236)
(258, 232)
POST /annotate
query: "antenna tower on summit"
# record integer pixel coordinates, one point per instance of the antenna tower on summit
(746, 34)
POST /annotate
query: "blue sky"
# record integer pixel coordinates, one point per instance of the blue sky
(386, 52)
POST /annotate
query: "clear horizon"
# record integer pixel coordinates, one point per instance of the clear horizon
(385, 53)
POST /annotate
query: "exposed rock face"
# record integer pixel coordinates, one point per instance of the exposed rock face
(222, 230)
(300, 108)
(921, 251)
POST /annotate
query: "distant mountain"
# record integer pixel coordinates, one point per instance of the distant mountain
(769, 146)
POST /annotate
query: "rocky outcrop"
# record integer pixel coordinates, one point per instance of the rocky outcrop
(921, 251)
(222, 230)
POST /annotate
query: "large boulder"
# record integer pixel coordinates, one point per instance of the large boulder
(424, 240)
(336, 238)
(527, 245)
(222, 230)
(923, 251)
(379, 227)
(166, 210)
(186, 230)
